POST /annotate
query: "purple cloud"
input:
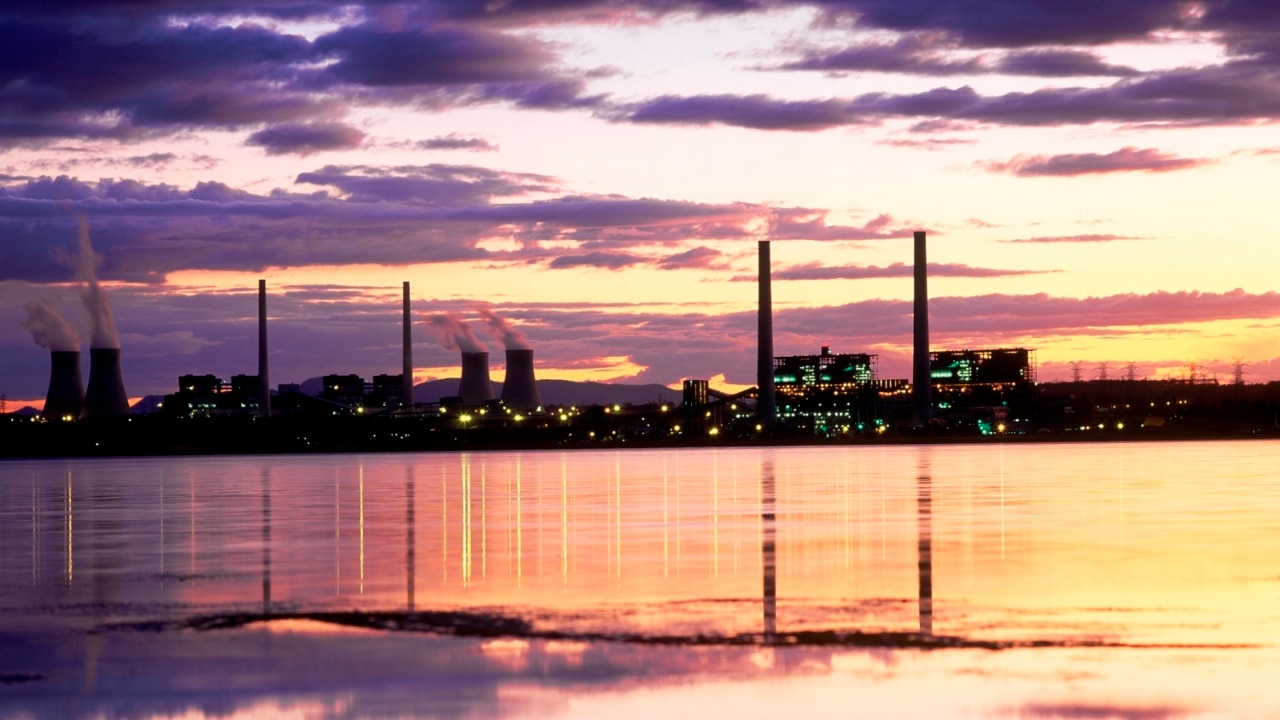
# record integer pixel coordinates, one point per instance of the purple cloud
(1091, 238)
(1129, 159)
(599, 259)
(306, 139)
(750, 111)
(818, 271)
(453, 141)
(699, 258)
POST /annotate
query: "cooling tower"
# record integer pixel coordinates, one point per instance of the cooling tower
(65, 398)
(475, 386)
(519, 389)
(920, 383)
(766, 405)
(105, 396)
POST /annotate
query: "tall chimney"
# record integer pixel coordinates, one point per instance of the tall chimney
(407, 377)
(105, 396)
(766, 405)
(475, 386)
(65, 398)
(921, 390)
(519, 390)
(264, 382)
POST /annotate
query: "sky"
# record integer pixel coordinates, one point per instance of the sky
(1094, 178)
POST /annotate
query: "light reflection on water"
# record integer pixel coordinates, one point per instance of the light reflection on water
(1153, 545)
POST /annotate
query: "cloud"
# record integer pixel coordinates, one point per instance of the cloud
(453, 141)
(1090, 238)
(598, 259)
(699, 258)
(384, 215)
(758, 112)
(306, 139)
(936, 55)
(818, 271)
(1128, 159)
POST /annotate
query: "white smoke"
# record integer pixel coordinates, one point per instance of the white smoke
(101, 318)
(512, 338)
(49, 329)
(453, 333)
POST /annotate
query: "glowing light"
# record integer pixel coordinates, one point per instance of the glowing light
(713, 431)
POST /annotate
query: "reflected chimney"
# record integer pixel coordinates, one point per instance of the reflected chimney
(768, 551)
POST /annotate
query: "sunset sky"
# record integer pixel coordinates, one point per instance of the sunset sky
(1095, 178)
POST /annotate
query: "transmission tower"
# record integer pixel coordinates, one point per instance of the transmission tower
(1238, 374)
(1102, 370)
(1131, 371)
(1193, 367)
(1075, 371)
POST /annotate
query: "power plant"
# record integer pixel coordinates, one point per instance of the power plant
(105, 396)
(519, 390)
(475, 386)
(65, 399)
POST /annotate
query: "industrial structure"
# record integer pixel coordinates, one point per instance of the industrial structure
(920, 382)
(831, 392)
(519, 389)
(983, 387)
(105, 395)
(65, 399)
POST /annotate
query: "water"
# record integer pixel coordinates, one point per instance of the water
(1103, 580)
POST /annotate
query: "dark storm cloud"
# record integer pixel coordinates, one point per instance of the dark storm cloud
(1129, 159)
(818, 271)
(306, 138)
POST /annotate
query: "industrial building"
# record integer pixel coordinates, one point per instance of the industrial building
(983, 388)
(829, 392)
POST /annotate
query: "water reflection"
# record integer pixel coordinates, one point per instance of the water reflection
(924, 513)
(768, 550)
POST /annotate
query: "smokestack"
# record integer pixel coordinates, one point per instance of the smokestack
(766, 405)
(407, 377)
(264, 381)
(65, 398)
(475, 386)
(105, 396)
(921, 390)
(519, 389)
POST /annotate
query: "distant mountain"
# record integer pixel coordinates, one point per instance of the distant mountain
(564, 392)
(553, 392)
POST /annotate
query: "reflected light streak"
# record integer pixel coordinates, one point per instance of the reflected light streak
(715, 514)
(266, 541)
(519, 527)
(617, 499)
(361, 516)
(466, 520)
(337, 533)
(924, 509)
(564, 520)
(484, 522)
(666, 524)
(70, 532)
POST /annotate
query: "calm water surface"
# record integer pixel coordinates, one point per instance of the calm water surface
(1046, 581)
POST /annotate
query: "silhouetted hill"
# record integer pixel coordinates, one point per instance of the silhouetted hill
(553, 392)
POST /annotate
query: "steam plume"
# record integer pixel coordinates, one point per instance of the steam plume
(512, 338)
(453, 333)
(49, 329)
(101, 317)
